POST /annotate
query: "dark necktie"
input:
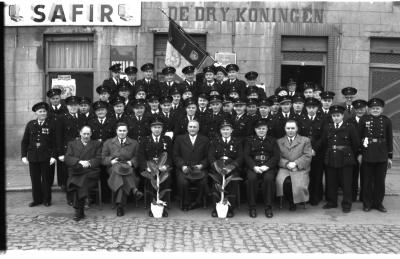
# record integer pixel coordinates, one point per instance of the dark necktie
(337, 125)
(167, 115)
(156, 140)
(290, 141)
(190, 117)
(122, 142)
(139, 118)
(55, 108)
(226, 140)
(348, 108)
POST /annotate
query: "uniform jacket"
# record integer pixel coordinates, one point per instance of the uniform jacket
(313, 129)
(113, 87)
(348, 114)
(206, 88)
(340, 146)
(55, 114)
(232, 150)
(182, 122)
(112, 149)
(239, 84)
(38, 142)
(148, 150)
(242, 126)
(194, 88)
(379, 132)
(150, 88)
(138, 129)
(212, 122)
(165, 88)
(278, 124)
(255, 147)
(186, 154)
(104, 131)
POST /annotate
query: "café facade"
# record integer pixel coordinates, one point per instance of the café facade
(333, 44)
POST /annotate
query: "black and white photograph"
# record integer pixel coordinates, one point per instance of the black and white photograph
(212, 128)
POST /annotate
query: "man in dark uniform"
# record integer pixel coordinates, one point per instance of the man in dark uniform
(251, 78)
(275, 107)
(232, 81)
(125, 92)
(242, 122)
(312, 127)
(261, 154)
(38, 150)
(210, 86)
(151, 148)
(67, 129)
(348, 94)
(227, 106)
(292, 87)
(103, 128)
(138, 126)
(183, 119)
(120, 113)
(176, 105)
(84, 107)
(377, 153)
(189, 82)
(202, 102)
(169, 76)
(55, 107)
(326, 103)
(264, 112)
(230, 150)
(113, 82)
(154, 103)
(131, 83)
(318, 89)
(298, 105)
(252, 111)
(140, 93)
(151, 85)
(360, 107)
(167, 117)
(278, 125)
(104, 95)
(308, 89)
(220, 74)
(341, 144)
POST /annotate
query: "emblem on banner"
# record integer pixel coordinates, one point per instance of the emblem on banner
(194, 55)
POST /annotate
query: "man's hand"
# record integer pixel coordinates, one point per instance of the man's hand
(258, 170)
(389, 163)
(312, 152)
(199, 167)
(25, 160)
(185, 169)
(52, 160)
(129, 163)
(85, 164)
(61, 158)
(114, 161)
(264, 168)
(291, 165)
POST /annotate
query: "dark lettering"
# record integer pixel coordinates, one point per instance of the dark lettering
(240, 13)
(318, 15)
(199, 13)
(273, 15)
(264, 14)
(172, 9)
(91, 13)
(75, 11)
(294, 15)
(55, 15)
(210, 12)
(41, 14)
(183, 13)
(283, 13)
(252, 14)
(224, 11)
(307, 15)
(106, 11)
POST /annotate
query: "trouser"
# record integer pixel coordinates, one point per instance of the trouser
(62, 173)
(77, 202)
(40, 178)
(105, 189)
(53, 167)
(333, 177)
(287, 189)
(183, 188)
(374, 183)
(315, 186)
(357, 174)
(268, 187)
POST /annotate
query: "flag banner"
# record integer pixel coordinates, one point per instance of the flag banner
(174, 59)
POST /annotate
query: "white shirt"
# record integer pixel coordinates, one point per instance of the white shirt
(357, 119)
(190, 116)
(239, 116)
(57, 107)
(226, 140)
(147, 81)
(193, 138)
(123, 140)
(325, 110)
(155, 112)
(340, 124)
(232, 81)
(286, 115)
(115, 80)
(40, 122)
(291, 139)
(166, 115)
(156, 138)
(202, 109)
(102, 120)
(311, 117)
(210, 84)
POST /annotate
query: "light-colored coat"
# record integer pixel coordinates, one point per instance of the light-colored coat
(300, 152)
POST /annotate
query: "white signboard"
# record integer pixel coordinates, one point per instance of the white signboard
(66, 84)
(225, 58)
(73, 12)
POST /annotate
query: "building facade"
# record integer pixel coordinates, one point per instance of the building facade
(333, 44)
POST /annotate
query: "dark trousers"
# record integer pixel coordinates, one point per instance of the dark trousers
(288, 190)
(77, 202)
(62, 173)
(357, 174)
(40, 178)
(374, 183)
(333, 177)
(268, 187)
(60, 178)
(105, 189)
(121, 195)
(183, 184)
(315, 186)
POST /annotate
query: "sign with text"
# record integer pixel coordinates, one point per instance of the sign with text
(73, 12)
(124, 55)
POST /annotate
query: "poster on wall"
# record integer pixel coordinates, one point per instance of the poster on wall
(66, 84)
(72, 13)
(124, 55)
(225, 58)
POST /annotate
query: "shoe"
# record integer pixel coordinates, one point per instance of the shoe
(165, 214)
(193, 206)
(346, 210)
(77, 215)
(47, 204)
(253, 213)
(381, 208)
(366, 209)
(150, 214)
(268, 212)
(138, 194)
(230, 213)
(33, 204)
(120, 211)
(214, 214)
(329, 206)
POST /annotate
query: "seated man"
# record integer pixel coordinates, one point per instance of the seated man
(83, 159)
(190, 156)
(294, 165)
(261, 154)
(120, 154)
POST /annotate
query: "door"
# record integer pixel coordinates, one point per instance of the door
(301, 74)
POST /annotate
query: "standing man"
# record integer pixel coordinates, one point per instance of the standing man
(341, 143)
(190, 154)
(377, 153)
(278, 127)
(182, 121)
(251, 78)
(233, 81)
(242, 122)
(105, 95)
(348, 94)
(169, 76)
(83, 159)
(326, 103)
(138, 126)
(167, 117)
(114, 80)
(292, 87)
(177, 104)
(220, 74)
(308, 90)
(131, 73)
(189, 84)
(38, 150)
(84, 107)
(214, 118)
(151, 85)
(298, 105)
(210, 86)
(261, 154)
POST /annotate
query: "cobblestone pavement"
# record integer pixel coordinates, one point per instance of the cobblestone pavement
(307, 230)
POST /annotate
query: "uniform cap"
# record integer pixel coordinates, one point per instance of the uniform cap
(40, 105)
(54, 91)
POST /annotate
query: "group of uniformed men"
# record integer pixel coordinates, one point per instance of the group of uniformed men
(348, 140)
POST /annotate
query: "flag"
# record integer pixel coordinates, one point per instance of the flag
(183, 51)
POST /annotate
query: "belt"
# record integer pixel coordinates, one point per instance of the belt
(338, 147)
(224, 158)
(260, 157)
(378, 140)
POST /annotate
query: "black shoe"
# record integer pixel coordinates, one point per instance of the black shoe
(150, 214)
(47, 204)
(165, 213)
(138, 194)
(268, 212)
(77, 215)
(214, 214)
(329, 206)
(366, 209)
(120, 211)
(185, 208)
(253, 213)
(292, 207)
(381, 208)
(33, 204)
(230, 213)
(346, 210)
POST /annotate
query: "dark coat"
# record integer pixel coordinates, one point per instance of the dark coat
(278, 125)
(239, 84)
(255, 147)
(148, 150)
(186, 154)
(205, 88)
(313, 129)
(232, 150)
(113, 87)
(55, 114)
(152, 88)
(104, 131)
(67, 129)
(212, 122)
(242, 126)
(139, 129)
(38, 142)
(182, 122)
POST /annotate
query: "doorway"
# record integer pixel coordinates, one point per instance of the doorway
(301, 74)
